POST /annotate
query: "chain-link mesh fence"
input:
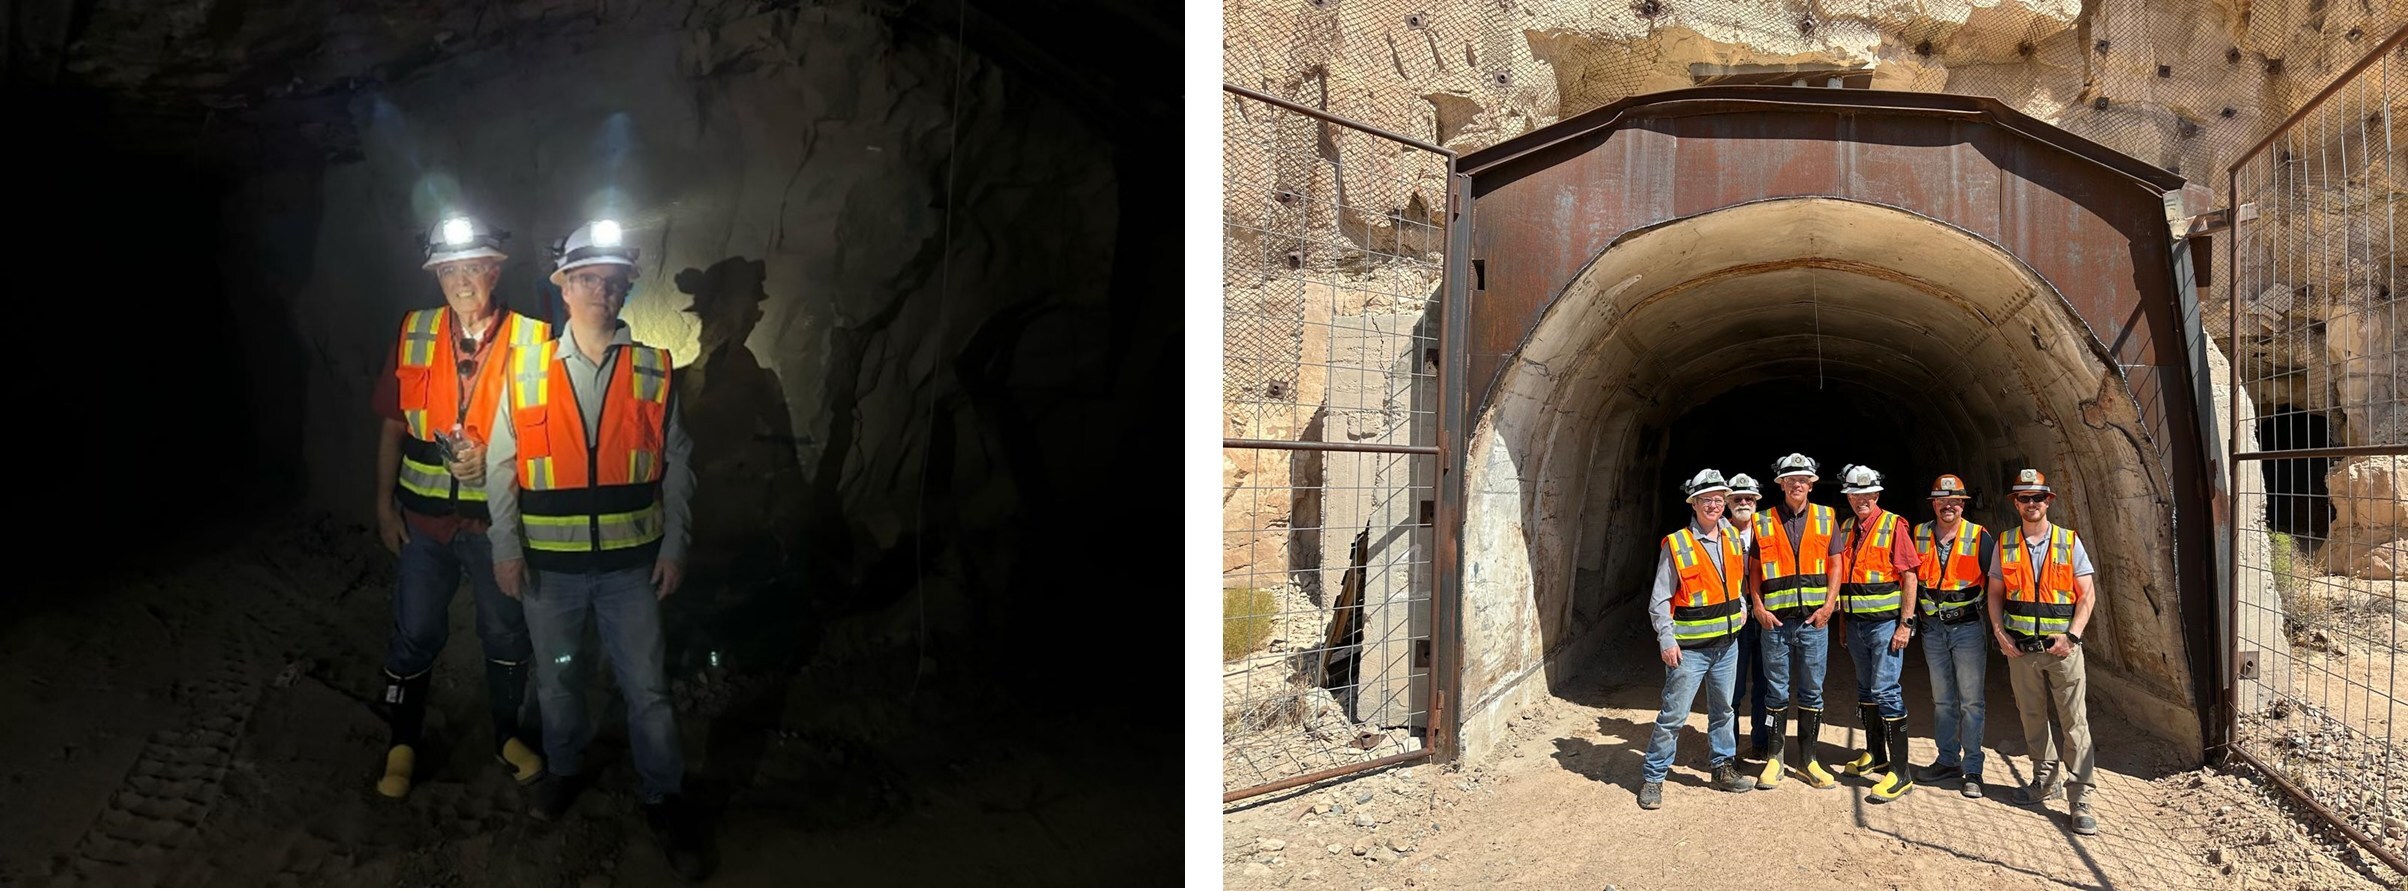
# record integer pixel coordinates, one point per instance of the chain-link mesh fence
(2321, 551)
(1330, 311)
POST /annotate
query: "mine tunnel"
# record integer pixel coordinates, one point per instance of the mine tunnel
(906, 265)
(1706, 291)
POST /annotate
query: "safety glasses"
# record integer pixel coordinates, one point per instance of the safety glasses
(2030, 499)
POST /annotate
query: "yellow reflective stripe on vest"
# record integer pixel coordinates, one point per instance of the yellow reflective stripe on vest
(531, 376)
(575, 534)
(1813, 596)
(420, 330)
(649, 376)
(415, 419)
(1705, 628)
(1871, 603)
(434, 482)
(641, 466)
(537, 474)
(428, 480)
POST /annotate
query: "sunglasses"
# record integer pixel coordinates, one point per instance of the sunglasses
(467, 346)
(2030, 499)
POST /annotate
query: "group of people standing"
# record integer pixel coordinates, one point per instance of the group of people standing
(1747, 597)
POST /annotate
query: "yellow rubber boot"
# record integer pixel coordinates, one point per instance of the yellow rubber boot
(400, 764)
(1810, 734)
(525, 765)
(1814, 775)
(1901, 776)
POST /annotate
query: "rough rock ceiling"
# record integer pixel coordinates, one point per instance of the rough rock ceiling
(267, 82)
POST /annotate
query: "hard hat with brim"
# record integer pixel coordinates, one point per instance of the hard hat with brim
(1742, 484)
(1948, 486)
(596, 243)
(1858, 479)
(1794, 464)
(1707, 482)
(2029, 480)
(459, 238)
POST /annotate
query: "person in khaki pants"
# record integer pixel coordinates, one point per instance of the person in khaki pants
(2040, 596)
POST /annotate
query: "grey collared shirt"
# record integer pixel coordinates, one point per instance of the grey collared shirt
(1667, 580)
(587, 378)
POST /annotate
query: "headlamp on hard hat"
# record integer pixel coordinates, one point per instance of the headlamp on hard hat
(596, 243)
(461, 237)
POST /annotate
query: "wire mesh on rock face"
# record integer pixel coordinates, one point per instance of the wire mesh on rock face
(1333, 257)
(2313, 326)
(2182, 84)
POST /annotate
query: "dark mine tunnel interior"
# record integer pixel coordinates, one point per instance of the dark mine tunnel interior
(913, 268)
(1835, 421)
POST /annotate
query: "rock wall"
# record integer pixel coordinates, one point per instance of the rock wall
(867, 377)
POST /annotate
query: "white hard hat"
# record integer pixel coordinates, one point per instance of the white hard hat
(1857, 479)
(1794, 464)
(460, 237)
(595, 243)
(1742, 484)
(1706, 482)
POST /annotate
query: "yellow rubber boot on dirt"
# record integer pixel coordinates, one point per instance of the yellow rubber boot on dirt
(1810, 732)
(1901, 778)
(525, 766)
(400, 764)
(1874, 760)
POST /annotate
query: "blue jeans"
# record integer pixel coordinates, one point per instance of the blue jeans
(429, 575)
(1751, 685)
(629, 616)
(1713, 667)
(1959, 656)
(1876, 666)
(1797, 650)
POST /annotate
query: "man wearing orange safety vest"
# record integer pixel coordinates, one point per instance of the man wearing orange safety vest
(1788, 588)
(1956, 556)
(1697, 607)
(2041, 595)
(434, 400)
(1873, 566)
(590, 478)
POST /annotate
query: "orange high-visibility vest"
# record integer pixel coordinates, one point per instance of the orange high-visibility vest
(1710, 602)
(427, 370)
(2039, 602)
(590, 506)
(1791, 579)
(1870, 588)
(1956, 582)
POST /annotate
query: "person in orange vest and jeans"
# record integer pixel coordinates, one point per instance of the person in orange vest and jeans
(1873, 566)
(590, 477)
(1788, 589)
(2040, 598)
(1956, 556)
(437, 393)
(1697, 607)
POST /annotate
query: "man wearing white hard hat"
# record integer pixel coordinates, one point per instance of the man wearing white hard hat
(590, 479)
(2041, 594)
(1740, 512)
(1697, 607)
(1873, 566)
(434, 401)
(1956, 565)
(1789, 591)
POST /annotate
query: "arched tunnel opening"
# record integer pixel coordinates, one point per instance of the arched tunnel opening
(1853, 333)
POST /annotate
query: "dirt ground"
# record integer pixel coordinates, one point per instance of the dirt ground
(1556, 808)
(204, 721)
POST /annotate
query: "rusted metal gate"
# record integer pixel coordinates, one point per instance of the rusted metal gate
(2319, 542)
(1335, 635)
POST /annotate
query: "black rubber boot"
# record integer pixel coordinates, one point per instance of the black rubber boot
(1770, 776)
(1875, 759)
(405, 701)
(1900, 778)
(1810, 731)
(506, 693)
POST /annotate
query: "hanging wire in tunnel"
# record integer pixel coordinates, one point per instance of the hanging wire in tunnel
(919, 515)
(1814, 300)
